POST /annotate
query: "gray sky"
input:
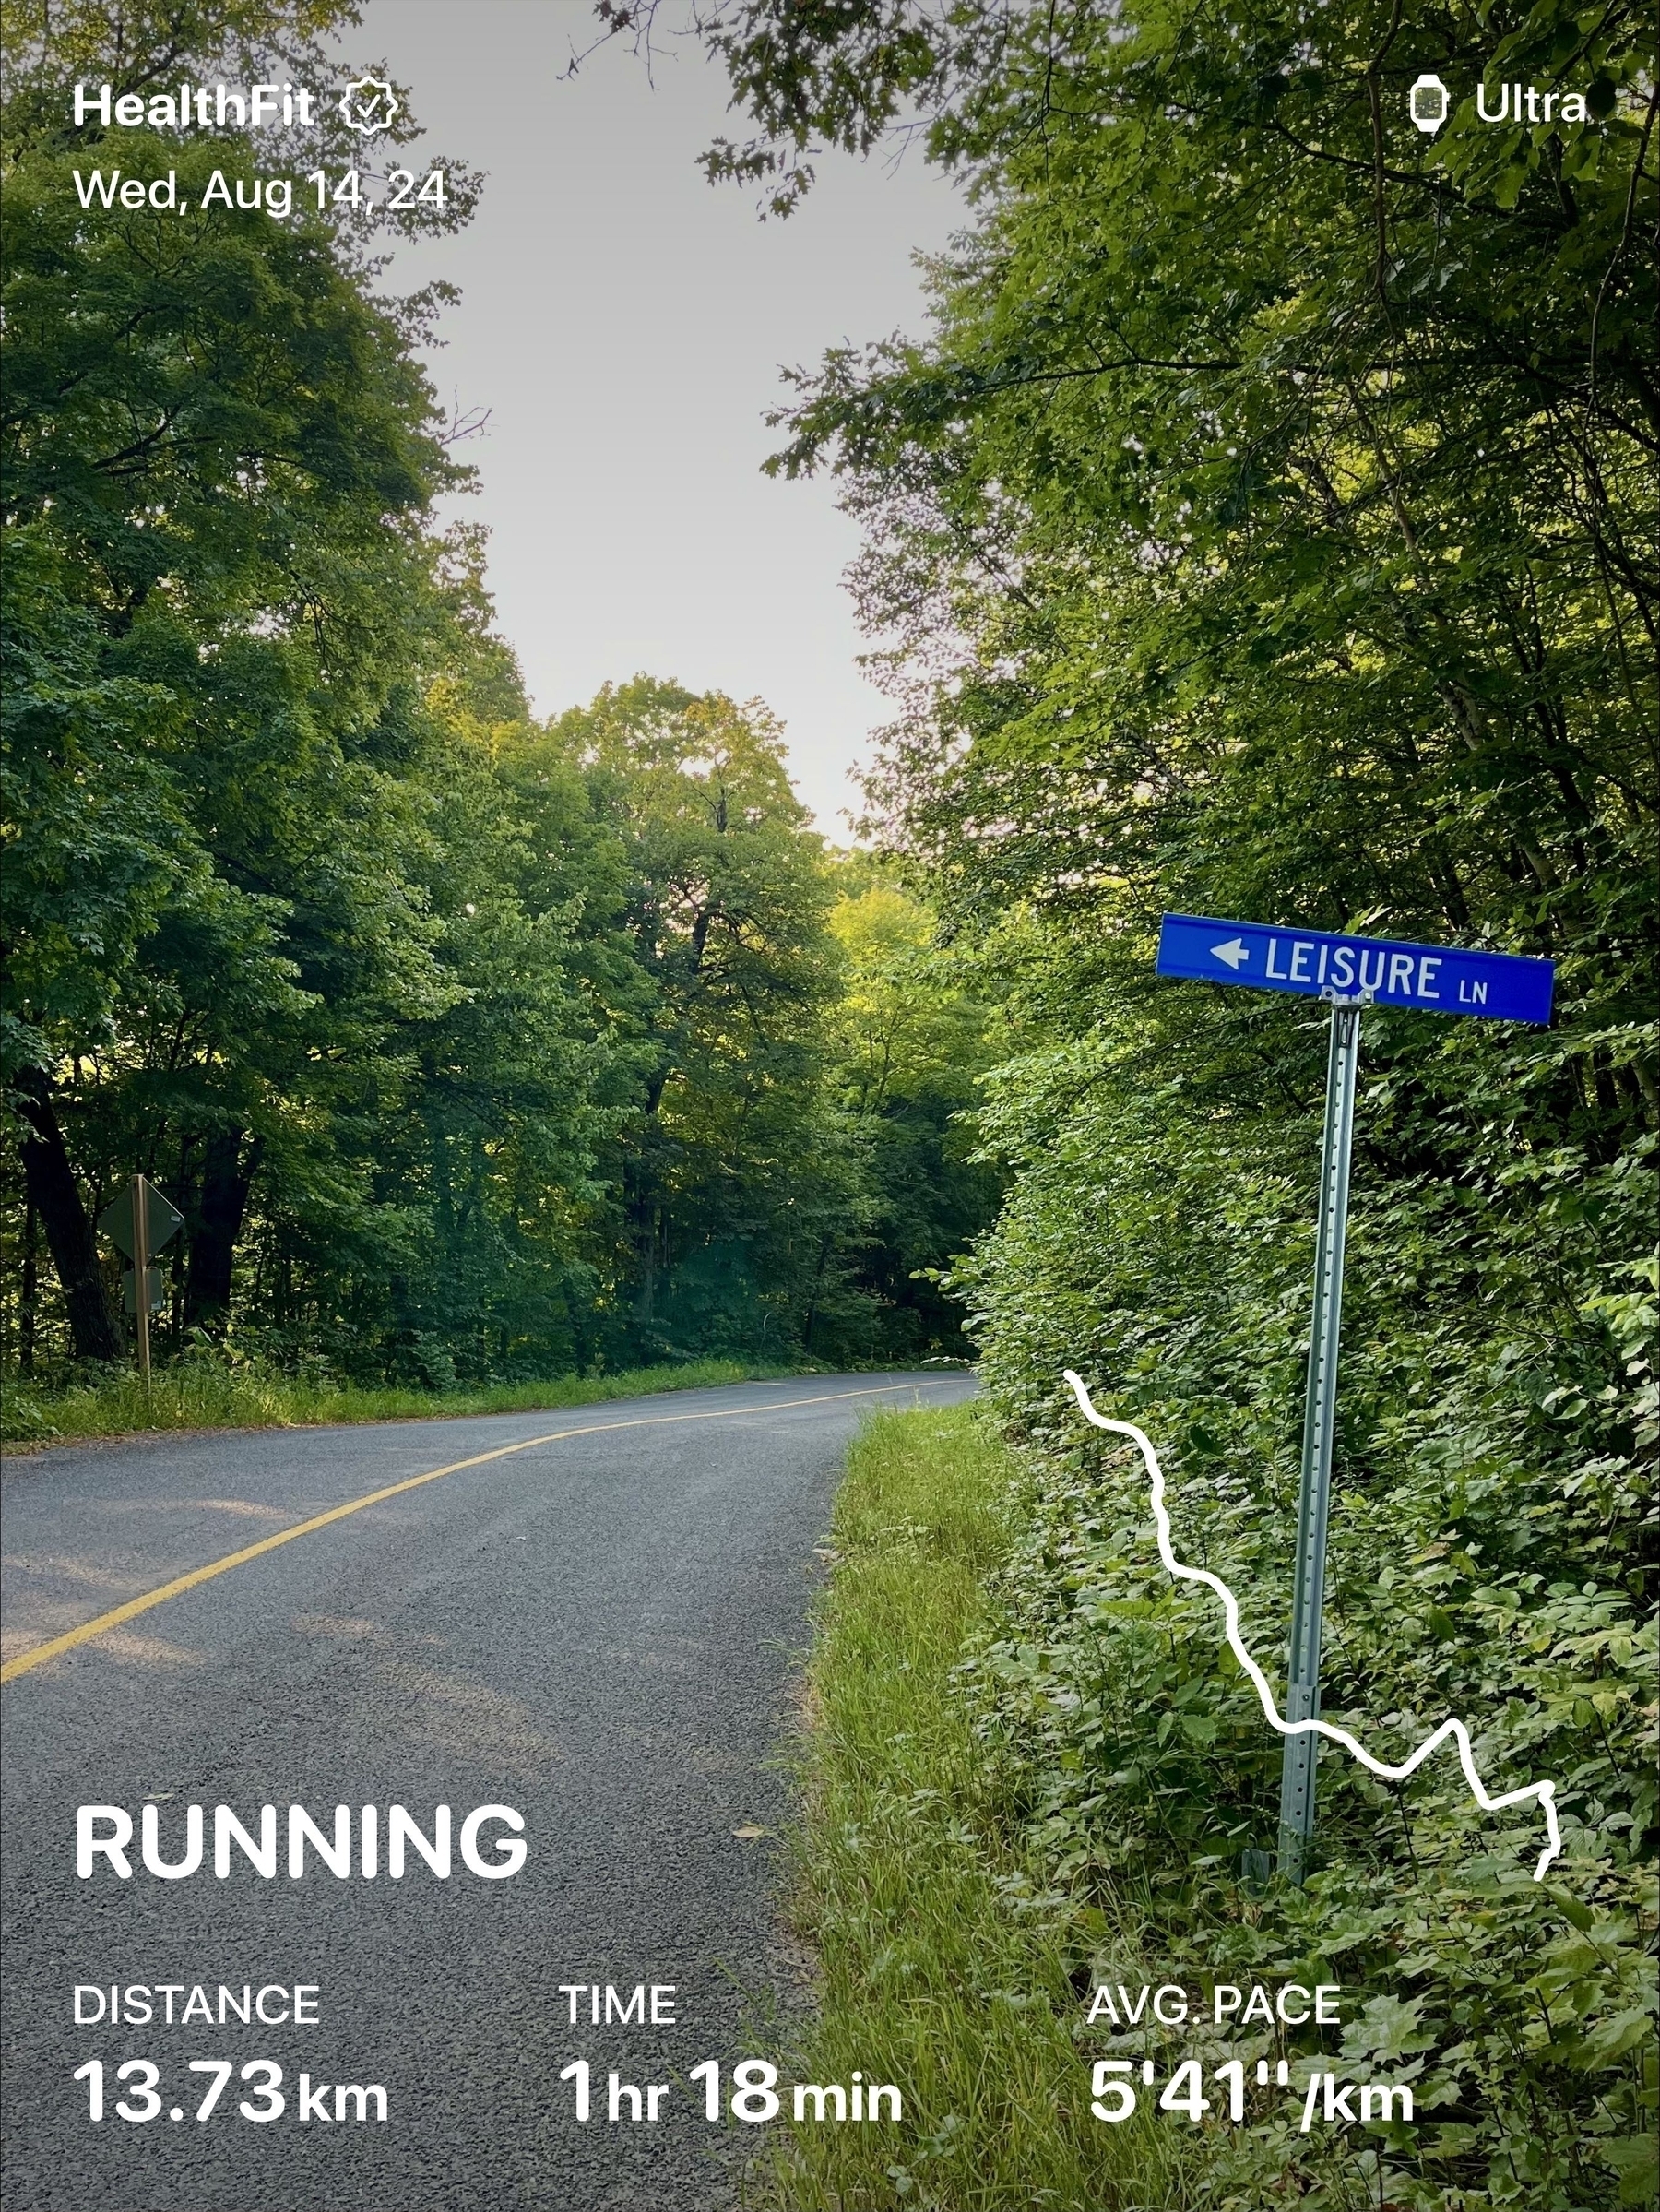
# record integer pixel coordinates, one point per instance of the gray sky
(624, 323)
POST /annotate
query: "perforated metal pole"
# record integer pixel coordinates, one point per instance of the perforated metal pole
(1314, 1491)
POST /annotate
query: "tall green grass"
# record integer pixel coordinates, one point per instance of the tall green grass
(210, 1392)
(933, 1977)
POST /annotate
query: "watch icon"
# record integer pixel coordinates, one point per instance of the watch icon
(1428, 103)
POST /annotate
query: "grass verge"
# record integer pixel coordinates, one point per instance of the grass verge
(213, 1393)
(932, 1977)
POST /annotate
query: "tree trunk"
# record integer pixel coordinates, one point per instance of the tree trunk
(818, 1278)
(30, 1291)
(94, 1330)
(227, 1179)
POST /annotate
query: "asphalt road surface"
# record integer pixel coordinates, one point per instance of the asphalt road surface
(599, 1632)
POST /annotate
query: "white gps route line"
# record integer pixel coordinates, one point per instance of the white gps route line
(1543, 1791)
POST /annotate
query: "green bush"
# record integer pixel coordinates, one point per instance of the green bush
(208, 1389)
(1486, 1560)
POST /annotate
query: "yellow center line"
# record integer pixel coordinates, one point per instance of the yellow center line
(37, 1654)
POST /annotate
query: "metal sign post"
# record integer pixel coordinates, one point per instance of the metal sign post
(138, 1223)
(1314, 1490)
(1348, 972)
(141, 1272)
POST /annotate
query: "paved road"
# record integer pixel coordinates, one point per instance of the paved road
(598, 1631)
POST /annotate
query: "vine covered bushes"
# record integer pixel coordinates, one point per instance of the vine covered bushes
(1486, 1547)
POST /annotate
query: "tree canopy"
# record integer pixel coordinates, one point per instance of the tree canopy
(468, 1046)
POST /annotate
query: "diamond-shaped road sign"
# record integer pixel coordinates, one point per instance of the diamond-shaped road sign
(163, 1222)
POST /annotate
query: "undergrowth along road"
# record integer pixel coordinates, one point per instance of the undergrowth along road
(1003, 1812)
(210, 1392)
(937, 1975)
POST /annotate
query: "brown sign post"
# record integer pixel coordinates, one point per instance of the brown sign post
(138, 1222)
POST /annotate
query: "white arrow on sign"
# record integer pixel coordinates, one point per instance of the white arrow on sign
(1234, 952)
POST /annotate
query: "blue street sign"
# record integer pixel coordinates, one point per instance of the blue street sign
(1440, 978)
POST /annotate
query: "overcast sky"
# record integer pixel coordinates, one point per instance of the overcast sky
(624, 322)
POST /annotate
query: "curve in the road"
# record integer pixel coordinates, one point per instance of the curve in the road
(117, 1617)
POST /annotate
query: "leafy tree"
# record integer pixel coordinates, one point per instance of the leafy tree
(734, 1187)
(199, 483)
(911, 1044)
(227, 612)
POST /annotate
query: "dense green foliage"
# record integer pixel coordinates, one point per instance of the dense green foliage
(972, 1868)
(206, 1391)
(469, 1049)
(1486, 1560)
(1268, 525)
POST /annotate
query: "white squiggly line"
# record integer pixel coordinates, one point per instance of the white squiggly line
(1543, 1791)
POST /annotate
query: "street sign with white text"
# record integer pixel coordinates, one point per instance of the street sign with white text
(1438, 979)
